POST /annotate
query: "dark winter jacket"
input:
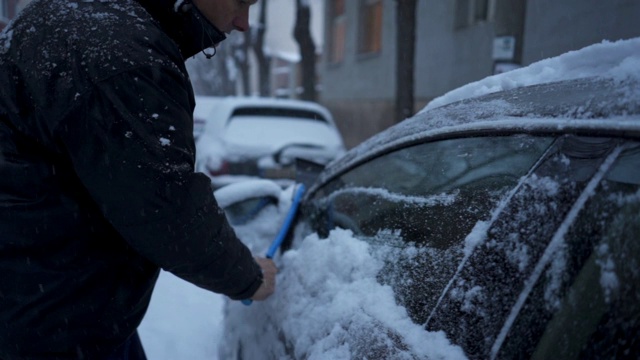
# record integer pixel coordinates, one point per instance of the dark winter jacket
(97, 183)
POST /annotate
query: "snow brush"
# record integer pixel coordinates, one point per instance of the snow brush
(277, 241)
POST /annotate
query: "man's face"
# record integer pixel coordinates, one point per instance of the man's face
(226, 15)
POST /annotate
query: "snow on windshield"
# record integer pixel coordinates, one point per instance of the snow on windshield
(441, 199)
(617, 60)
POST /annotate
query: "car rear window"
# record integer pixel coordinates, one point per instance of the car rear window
(279, 112)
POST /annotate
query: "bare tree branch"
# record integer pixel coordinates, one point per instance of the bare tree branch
(302, 34)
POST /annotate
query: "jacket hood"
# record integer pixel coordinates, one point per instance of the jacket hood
(184, 23)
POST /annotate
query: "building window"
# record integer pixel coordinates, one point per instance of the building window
(481, 10)
(370, 37)
(469, 12)
(338, 31)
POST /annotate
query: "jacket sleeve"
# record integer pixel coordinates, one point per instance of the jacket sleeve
(130, 141)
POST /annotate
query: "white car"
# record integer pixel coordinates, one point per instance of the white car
(261, 137)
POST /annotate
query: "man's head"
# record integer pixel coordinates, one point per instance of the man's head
(226, 15)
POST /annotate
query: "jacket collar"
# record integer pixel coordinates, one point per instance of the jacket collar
(185, 24)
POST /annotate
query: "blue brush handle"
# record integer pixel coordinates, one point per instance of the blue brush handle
(284, 229)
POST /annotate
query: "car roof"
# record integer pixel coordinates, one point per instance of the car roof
(593, 105)
(223, 107)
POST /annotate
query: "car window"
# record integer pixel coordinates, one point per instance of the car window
(278, 112)
(587, 302)
(421, 202)
(559, 255)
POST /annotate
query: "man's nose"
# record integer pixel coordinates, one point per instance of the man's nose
(241, 22)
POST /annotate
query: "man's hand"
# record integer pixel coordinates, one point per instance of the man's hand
(268, 286)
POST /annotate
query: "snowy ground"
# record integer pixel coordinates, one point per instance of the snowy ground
(183, 321)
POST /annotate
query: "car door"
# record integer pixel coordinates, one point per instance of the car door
(506, 292)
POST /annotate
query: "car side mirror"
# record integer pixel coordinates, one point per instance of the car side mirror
(243, 201)
(307, 171)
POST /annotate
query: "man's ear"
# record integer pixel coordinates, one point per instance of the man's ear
(183, 6)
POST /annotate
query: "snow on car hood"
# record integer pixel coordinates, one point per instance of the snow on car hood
(329, 305)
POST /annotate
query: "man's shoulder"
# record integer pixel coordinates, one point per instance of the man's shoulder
(60, 49)
(103, 37)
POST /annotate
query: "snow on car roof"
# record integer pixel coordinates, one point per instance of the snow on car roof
(619, 59)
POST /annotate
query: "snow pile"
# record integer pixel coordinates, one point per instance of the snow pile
(182, 322)
(247, 189)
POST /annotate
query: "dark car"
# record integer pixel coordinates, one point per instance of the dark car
(510, 223)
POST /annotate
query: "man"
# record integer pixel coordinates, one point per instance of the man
(97, 188)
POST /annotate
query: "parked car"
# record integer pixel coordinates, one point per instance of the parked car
(502, 226)
(239, 137)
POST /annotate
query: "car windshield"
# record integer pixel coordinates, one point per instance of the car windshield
(441, 211)
(267, 134)
(278, 112)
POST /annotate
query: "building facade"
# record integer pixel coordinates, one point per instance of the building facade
(281, 47)
(554, 27)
